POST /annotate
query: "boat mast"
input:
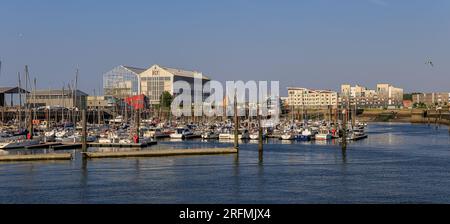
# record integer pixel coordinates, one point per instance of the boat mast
(76, 99)
(27, 106)
(20, 102)
(49, 110)
(34, 100)
(63, 104)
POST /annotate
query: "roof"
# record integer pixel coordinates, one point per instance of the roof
(311, 90)
(11, 90)
(59, 92)
(184, 73)
(134, 69)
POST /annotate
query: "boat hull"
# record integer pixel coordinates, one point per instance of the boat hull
(304, 138)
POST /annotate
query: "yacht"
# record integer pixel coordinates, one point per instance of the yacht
(181, 133)
(255, 135)
(357, 134)
(288, 135)
(307, 135)
(17, 143)
(156, 133)
(110, 138)
(210, 135)
(324, 135)
(226, 133)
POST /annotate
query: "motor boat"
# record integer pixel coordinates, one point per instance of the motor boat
(357, 134)
(306, 135)
(182, 133)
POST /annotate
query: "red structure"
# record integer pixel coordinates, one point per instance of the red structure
(137, 102)
(407, 103)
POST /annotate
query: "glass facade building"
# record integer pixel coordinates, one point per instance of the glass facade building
(122, 82)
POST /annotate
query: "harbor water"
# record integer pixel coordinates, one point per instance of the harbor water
(398, 163)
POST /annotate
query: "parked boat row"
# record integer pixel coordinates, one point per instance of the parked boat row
(125, 133)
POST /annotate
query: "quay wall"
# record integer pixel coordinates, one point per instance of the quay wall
(406, 115)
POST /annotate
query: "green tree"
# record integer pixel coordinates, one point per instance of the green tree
(166, 100)
(408, 96)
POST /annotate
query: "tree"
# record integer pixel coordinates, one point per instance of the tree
(166, 100)
(408, 96)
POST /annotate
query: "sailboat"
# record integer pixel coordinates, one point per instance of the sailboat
(18, 142)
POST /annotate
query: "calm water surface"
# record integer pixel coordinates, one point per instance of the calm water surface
(398, 163)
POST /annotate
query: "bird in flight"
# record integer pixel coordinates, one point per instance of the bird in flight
(429, 62)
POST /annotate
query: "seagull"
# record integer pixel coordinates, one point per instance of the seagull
(429, 62)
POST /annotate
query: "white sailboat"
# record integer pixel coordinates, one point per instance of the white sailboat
(17, 143)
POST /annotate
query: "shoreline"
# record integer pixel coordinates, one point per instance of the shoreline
(414, 116)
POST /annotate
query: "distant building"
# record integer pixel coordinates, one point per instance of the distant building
(100, 102)
(309, 98)
(122, 82)
(12, 93)
(384, 96)
(58, 98)
(432, 99)
(125, 81)
(390, 95)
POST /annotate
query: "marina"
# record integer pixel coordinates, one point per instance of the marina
(398, 163)
(236, 102)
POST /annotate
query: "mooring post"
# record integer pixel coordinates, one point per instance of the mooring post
(236, 123)
(260, 132)
(3, 114)
(47, 118)
(84, 130)
(30, 124)
(344, 133)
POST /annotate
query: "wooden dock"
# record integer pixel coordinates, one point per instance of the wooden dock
(44, 146)
(67, 146)
(36, 157)
(121, 145)
(162, 153)
(64, 146)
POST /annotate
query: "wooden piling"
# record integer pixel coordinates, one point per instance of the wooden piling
(84, 131)
(236, 123)
(3, 113)
(260, 132)
(344, 133)
(30, 124)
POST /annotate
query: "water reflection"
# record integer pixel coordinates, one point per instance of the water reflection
(261, 157)
(84, 179)
(321, 172)
(344, 155)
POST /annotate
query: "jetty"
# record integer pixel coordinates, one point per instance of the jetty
(122, 145)
(161, 153)
(36, 157)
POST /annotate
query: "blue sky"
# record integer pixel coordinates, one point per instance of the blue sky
(314, 43)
